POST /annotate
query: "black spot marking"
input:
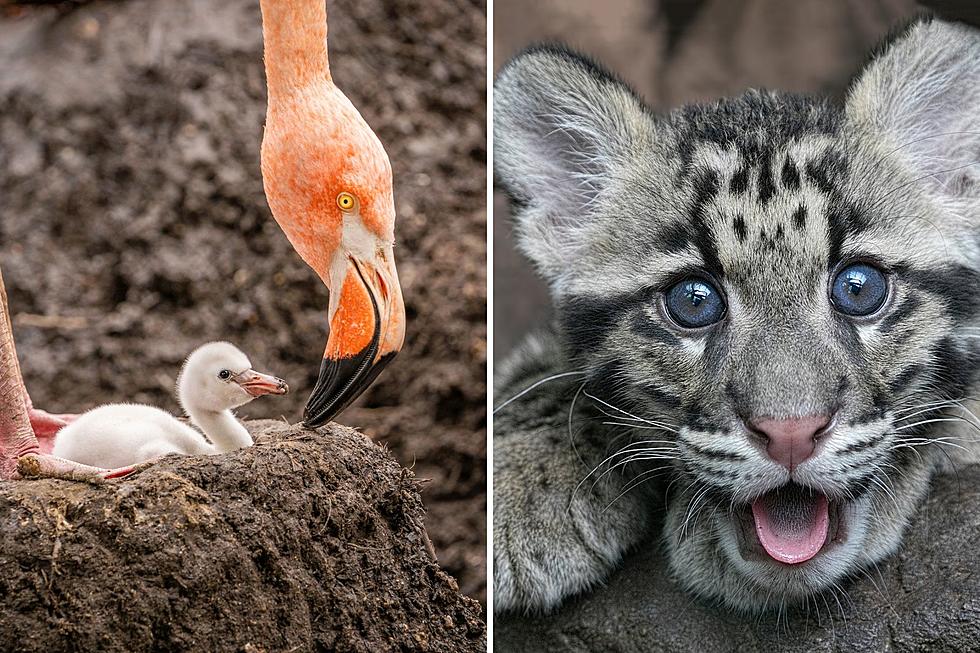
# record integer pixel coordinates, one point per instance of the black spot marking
(871, 415)
(645, 327)
(851, 339)
(863, 444)
(661, 396)
(609, 381)
(905, 378)
(880, 398)
(738, 225)
(903, 311)
(843, 221)
(717, 349)
(799, 217)
(956, 285)
(740, 181)
(780, 232)
(612, 383)
(767, 185)
(827, 172)
(673, 237)
(705, 189)
(959, 367)
(697, 418)
(586, 321)
(739, 399)
(860, 487)
(736, 123)
(790, 175)
(713, 454)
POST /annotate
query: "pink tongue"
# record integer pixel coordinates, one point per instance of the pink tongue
(791, 524)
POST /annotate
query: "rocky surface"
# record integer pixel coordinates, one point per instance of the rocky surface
(310, 540)
(925, 598)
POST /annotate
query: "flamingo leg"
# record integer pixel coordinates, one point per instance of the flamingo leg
(22, 454)
(44, 424)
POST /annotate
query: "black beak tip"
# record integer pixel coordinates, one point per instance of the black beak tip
(340, 382)
(313, 420)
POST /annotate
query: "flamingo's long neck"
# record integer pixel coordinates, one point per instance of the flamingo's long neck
(295, 39)
(221, 427)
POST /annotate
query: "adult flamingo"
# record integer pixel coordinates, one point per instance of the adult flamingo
(328, 182)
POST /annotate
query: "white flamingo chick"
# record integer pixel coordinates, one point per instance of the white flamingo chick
(216, 378)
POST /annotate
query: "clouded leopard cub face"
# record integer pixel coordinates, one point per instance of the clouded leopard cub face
(783, 289)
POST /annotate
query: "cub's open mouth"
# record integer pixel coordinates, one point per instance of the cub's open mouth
(789, 525)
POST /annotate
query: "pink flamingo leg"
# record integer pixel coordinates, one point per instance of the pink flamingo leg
(22, 455)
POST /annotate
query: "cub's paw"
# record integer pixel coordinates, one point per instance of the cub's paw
(555, 535)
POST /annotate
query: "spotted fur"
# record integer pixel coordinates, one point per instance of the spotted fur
(768, 195)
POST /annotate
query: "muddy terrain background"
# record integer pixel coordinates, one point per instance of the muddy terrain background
(133, 226)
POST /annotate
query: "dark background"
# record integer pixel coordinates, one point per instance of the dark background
(675, 52)
(133, 226)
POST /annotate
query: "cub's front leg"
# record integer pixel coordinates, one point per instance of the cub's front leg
(557, 529)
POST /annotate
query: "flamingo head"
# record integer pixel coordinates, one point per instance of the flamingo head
(329, 185)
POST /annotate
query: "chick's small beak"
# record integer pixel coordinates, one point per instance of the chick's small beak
(257, 384)
(367, 329)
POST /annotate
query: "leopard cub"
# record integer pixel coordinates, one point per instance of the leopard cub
(768, 321)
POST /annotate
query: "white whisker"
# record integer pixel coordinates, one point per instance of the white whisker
(535, 385)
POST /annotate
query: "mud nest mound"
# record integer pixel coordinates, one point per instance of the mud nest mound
(310, 540)
(924, 598)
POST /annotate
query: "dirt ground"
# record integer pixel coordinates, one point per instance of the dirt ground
(133, 226)
(306, 541)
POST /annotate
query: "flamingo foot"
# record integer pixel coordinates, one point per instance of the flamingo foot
(42, 465)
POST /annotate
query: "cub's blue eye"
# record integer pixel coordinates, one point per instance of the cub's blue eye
(694, 303)
(859, 289)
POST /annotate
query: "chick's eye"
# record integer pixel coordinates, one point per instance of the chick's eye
(859, 289)
(346, 201)
(224, 375)
(694, 303)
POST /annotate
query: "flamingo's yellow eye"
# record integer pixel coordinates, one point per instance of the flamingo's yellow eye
(346, 202)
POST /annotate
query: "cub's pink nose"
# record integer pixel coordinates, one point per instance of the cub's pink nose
(791, 441)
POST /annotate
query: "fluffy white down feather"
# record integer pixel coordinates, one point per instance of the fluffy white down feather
(117, 435)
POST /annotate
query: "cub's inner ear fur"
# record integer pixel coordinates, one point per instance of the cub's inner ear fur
(919, 101)
(561, 125)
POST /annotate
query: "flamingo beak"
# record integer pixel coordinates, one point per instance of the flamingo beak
(367, 329)
(257, 384)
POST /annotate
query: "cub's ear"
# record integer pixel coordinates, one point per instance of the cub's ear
(920, 101)
(561, 124)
